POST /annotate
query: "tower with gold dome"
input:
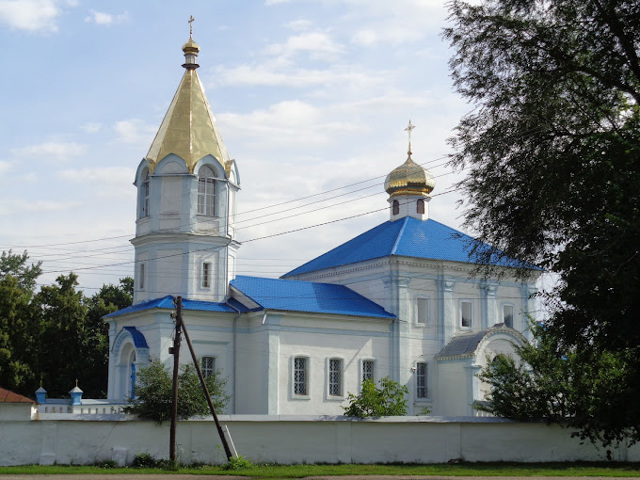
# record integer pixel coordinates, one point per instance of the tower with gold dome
(409, 187)
(184, 243)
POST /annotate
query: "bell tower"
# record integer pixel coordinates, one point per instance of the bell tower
(184, 242)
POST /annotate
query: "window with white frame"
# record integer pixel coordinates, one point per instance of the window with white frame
(420, 206)
(368, 370)
(466, 314)
(206, 275)
(395, 207)
(206, 191)
(422, 311)
(141, 274)
(421, 380)
(208, 366)
(335, 377)
(144, 203)
(300, 376)
(507, 315)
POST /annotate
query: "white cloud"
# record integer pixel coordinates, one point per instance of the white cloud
(19, 206)
(57, 151)
(5, 167)
(91, 127)
(30, 15)
(110, 175)
(134, 131)
(282, 74)
(102, 18)
(299, 25)
(290, 123)
(317, 45)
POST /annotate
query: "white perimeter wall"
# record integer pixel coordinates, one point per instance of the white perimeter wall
(295, 439)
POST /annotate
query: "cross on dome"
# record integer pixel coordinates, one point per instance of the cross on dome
(409, 129)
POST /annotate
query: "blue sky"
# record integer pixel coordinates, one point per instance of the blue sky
(310, 96)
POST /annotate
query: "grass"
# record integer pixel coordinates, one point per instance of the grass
(608, 469)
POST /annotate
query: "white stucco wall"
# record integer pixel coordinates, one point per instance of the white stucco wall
(296, 439)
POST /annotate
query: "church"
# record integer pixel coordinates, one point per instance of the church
(399, 300)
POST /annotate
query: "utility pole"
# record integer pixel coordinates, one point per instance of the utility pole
(175, 350)
(223, 439)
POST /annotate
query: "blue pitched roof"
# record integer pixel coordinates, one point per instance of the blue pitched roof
(407, 237)
(298, 296)
(232, 306)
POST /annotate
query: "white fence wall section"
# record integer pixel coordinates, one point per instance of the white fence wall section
(85, 439)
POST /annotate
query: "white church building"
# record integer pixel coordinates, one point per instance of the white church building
(398, 300)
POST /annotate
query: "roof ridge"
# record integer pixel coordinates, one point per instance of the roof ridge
(399, 237)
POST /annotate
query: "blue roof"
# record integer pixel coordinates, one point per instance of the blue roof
(138, 338)
(298, 296)
(232, 306)
(408, 237)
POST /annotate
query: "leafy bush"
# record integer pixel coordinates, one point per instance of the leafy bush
(387, 399)
(154, 396)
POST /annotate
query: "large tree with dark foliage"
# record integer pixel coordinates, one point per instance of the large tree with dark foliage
(552, 150)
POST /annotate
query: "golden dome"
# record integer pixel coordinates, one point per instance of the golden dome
(191, 47)
(409, 179)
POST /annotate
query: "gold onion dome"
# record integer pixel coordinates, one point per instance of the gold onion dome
(191, 47)
(409, 179)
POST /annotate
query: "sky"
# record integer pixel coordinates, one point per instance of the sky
(311, 97)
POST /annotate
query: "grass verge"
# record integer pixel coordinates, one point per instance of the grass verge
(610, 469)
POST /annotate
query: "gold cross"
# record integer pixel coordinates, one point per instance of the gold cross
(409, 129)
(191, 20)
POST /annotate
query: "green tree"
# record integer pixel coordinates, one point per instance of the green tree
(108, 299)
(547, 381)
(552, 152)
(387, 399)
(154, 393)
(18, 330)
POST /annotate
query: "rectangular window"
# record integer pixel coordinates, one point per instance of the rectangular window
(206, 275)
(141, 279)
(421, 380)
(335, 377)
(368, 370)
(300, 381)
(208, 366)
(466, 314)
(422, 311)
(507, 315)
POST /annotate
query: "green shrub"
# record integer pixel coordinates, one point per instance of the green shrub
(387, 399)
(154, 393)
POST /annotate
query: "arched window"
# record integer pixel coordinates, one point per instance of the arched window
(144, 195)
(396, 207)
(207, 192)
(420, 206)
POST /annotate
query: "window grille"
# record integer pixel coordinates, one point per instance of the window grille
(300, 376)
(208, 366)
(421, 380)
(368, 370)
(335, 377)
(206, 275)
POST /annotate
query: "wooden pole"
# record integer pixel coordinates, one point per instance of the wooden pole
(176, 370)
(223, 439)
